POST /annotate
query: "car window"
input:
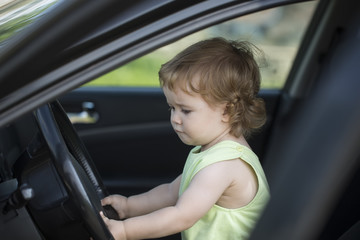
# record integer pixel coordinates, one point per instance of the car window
(277, 32)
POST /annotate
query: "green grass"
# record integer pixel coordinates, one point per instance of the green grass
(141, 72)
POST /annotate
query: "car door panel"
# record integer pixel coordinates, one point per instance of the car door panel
(132, 143)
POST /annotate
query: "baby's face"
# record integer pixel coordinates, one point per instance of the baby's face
(194, 120)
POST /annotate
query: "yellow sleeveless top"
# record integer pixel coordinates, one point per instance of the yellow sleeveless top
(222, 223)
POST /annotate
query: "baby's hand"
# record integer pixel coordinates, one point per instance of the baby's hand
(118, 202)
(116, 227)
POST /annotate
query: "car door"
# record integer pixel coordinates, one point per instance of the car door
(125, 124)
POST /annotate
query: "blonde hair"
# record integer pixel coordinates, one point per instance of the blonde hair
(225, 72)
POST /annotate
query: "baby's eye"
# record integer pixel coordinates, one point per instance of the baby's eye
(186, 111)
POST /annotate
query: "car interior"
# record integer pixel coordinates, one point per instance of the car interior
(86, 142)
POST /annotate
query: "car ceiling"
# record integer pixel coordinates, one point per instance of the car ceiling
(82, 40)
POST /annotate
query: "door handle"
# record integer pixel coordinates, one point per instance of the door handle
(88, 115)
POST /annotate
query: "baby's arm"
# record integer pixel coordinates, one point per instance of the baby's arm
(203, 192)
(159, 197)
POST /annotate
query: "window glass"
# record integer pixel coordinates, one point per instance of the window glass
(15, 15)
(277, 32)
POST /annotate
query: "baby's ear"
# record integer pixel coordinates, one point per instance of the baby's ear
(226, 116)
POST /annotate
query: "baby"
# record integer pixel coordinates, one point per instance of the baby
(211, 88)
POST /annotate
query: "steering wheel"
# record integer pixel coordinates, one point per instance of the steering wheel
(75, 167)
